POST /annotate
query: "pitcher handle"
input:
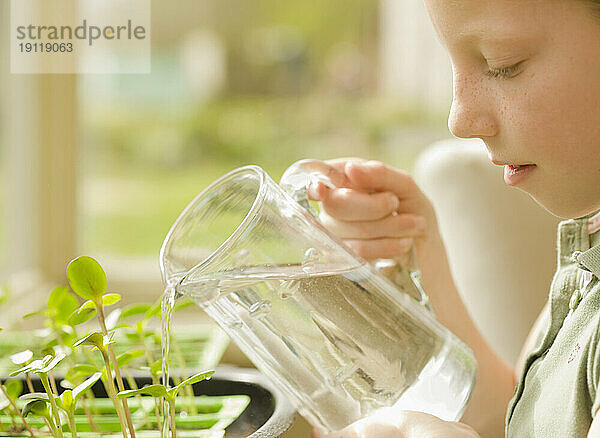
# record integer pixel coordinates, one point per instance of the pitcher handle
(295, 182)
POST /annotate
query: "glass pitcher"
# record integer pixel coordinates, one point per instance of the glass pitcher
(333, 333)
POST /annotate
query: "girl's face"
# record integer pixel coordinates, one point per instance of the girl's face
(527, 82)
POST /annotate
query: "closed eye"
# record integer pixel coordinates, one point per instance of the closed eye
(504, 72)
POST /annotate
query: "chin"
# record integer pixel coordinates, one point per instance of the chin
(565, 211)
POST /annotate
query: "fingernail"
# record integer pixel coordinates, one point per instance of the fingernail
(313, 191)
(421, 223)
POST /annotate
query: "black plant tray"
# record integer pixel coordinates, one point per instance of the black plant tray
(268, 413)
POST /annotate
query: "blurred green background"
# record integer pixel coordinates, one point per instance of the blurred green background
(238, 82)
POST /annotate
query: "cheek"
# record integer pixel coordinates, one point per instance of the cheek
(556, 118)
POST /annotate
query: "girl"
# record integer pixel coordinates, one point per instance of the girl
(527, 82)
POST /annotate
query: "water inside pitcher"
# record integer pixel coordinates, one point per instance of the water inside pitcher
(333, 333)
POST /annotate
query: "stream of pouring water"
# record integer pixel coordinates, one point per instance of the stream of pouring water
(167, 305)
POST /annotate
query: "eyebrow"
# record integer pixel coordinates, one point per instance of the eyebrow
(489, 37)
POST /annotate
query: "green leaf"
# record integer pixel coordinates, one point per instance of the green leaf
(83, 387)
(39, 408)
(65, 400)
(87, 278)
(125, 358)
(37, 312)
(155, 310)
(109, 299)
(14, 388)
(82, 314)
(4, 294)
(190, 381)
(95, 339)
(134, 309)
(65, 308)
(89, 304)
(156, 368)
(49, 351)
(56, 296)
(153, 390)
(85, 369)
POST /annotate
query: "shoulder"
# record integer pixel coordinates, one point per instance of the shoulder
(533, 339)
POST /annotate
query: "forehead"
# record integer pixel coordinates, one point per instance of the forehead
(460, 22)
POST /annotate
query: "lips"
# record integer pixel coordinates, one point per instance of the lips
(506, 163)
(514, 175)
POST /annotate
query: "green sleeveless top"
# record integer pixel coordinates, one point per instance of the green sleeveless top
(557, 394)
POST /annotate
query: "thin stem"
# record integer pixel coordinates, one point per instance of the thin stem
(29, 384)
(50, 424)
(133, 385)
(159, 421)
(150, 361)
(112, 393)
(52, 383)
(113, 358)
(173, 424)
(13, 404)
(71, 415)
(55, 414)
(189, 391)
(47, 420)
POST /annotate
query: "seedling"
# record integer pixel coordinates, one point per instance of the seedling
(62, 316)
(160, 391)
(11, 391)
(88, 280)
(42, 368)
(66, 401)
(99, 342)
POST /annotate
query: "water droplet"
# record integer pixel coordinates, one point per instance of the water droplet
(310, 260)
(260, 309)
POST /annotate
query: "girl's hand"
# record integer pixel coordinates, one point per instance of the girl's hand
(377, 210)
(389, 423)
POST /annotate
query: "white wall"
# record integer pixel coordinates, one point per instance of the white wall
(413, 64)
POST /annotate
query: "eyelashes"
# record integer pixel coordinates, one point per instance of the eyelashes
(503, 73)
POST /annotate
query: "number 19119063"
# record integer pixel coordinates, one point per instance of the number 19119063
(46, 47)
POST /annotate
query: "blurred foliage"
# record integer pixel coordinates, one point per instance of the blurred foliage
(148, 165)
(299, 79)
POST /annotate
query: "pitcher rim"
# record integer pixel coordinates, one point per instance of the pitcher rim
(256, 204)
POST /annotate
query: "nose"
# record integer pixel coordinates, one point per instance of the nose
(471, 114)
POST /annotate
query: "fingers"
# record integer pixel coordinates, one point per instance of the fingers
(353, 205)
(391, 226)
(385, 248)
(377, 176)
